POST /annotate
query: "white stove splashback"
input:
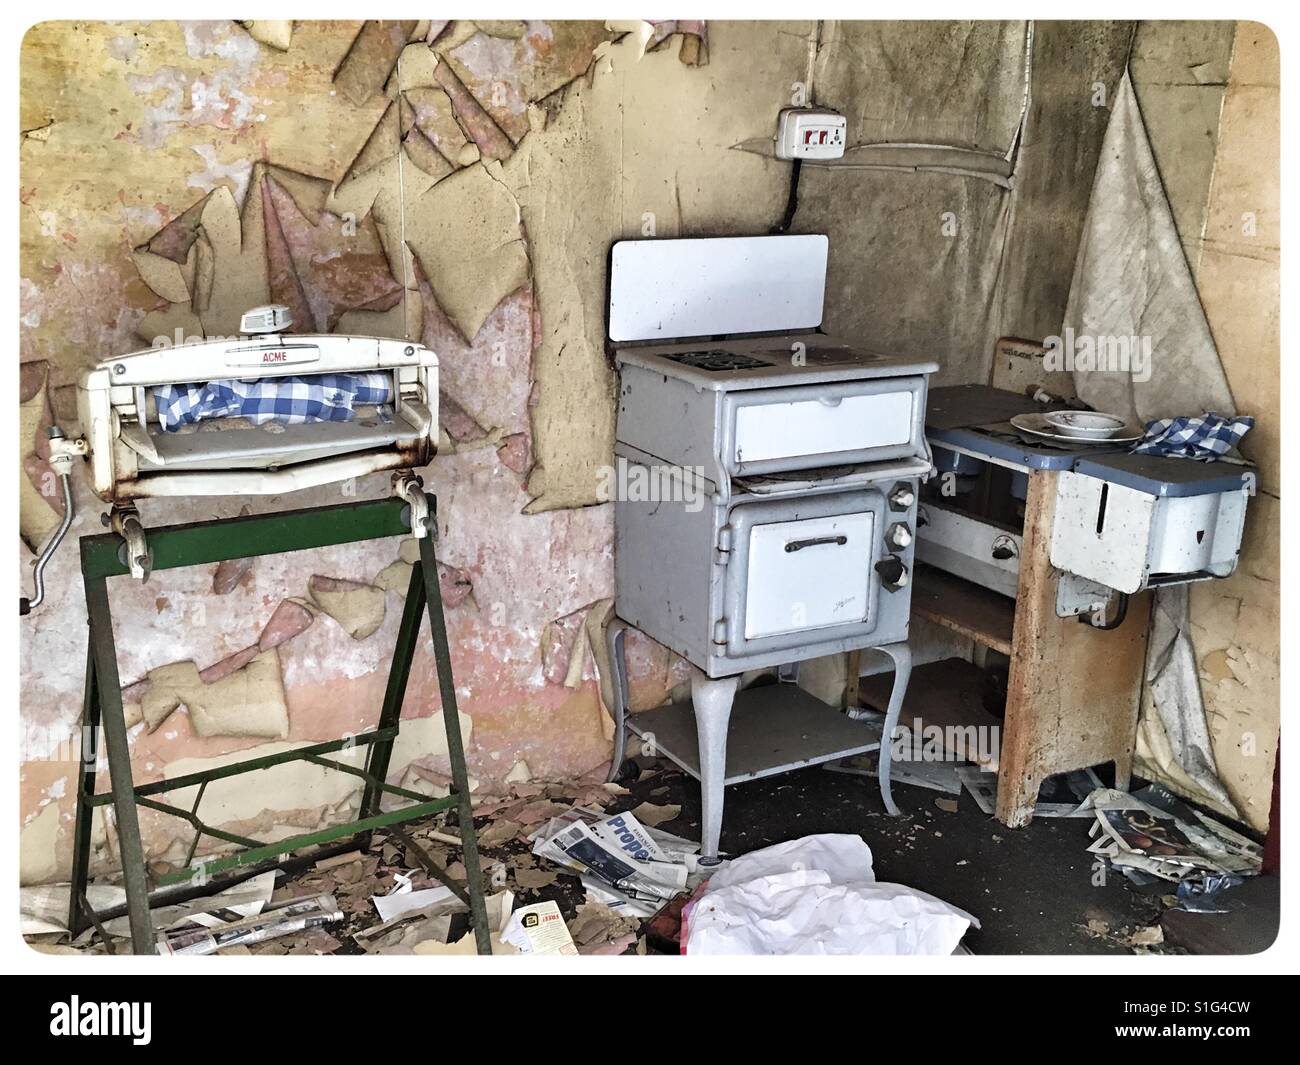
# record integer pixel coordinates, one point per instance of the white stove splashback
(667, 289)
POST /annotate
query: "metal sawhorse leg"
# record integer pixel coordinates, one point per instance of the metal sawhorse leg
(176, 546)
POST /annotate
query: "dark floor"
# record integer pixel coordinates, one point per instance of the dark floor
(1249, 926)
(1033, 889)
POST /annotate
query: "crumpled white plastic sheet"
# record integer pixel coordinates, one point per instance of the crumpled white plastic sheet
(817, 895)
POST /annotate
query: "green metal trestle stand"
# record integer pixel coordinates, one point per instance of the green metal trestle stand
(104, 556)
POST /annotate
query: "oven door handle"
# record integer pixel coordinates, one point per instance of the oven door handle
(817, 541)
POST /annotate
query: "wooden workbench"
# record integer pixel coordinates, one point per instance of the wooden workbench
(1073, 690)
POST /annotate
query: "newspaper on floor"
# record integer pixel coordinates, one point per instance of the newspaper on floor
(618, 901)
(675, 849)
(44, 908)
(619, 853)
(275, 920)
(1154, 833)
(983, 788)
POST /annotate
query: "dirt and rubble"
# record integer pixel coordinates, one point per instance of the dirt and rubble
(397, 861)
(1034, 890)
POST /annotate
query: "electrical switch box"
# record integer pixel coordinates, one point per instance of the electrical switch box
(810, 133)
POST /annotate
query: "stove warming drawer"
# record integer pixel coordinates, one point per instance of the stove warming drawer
(774, 429)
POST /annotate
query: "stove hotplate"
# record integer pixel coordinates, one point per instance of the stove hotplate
(768, 362)
(717, 361)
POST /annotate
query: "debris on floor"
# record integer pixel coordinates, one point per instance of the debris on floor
(652, 815)
(816, 895)
(427, 928)
(538, 929)
(1206, 894)
(1154, 835)
(403, 900)
(602, 857)
(937, 776)
(197, 936)
(1075, 787)
(45, 908)
(394, 897)
(598, 929)
(1142, 939)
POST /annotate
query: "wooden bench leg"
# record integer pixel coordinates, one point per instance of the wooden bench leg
(1017, 797)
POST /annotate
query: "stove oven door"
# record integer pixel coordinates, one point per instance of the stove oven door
(801, 570)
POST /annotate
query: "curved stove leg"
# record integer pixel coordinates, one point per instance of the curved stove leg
(712, 701)
(615, 634)
(901, 653)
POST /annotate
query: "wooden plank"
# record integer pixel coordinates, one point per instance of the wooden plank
(851, 696)
(948, 694)
(962, 606)
(1074, 690)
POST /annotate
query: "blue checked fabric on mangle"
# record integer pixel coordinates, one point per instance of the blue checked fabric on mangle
(329, 397)
(1206, 436)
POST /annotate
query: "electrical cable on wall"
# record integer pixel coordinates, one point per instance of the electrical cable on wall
(401, 224)
(792, 201)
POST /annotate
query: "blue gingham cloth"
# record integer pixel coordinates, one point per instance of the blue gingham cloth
(328, 397)
(1207, 436)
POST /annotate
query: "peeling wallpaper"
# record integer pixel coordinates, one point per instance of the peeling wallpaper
(174, 174)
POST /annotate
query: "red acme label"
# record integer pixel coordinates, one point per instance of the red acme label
(275, 356)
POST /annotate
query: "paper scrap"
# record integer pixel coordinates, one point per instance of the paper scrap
(539, 929)
(404, 901)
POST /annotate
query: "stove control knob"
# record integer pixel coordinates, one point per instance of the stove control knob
(902, 496)
(893, 574)
(898, 536)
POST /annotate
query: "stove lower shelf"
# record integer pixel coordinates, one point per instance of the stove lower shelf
(773, 729)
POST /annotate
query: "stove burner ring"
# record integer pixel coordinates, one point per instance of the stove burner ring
(717, 361)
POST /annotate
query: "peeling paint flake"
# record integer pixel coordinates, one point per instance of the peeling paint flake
(358, 607)
(371, 59)
(467, 238)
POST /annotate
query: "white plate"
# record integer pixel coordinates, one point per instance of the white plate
(1037, 425)
(1074, 423)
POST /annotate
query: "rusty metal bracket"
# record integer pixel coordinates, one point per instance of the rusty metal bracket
(125, 521)
(409, 487)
